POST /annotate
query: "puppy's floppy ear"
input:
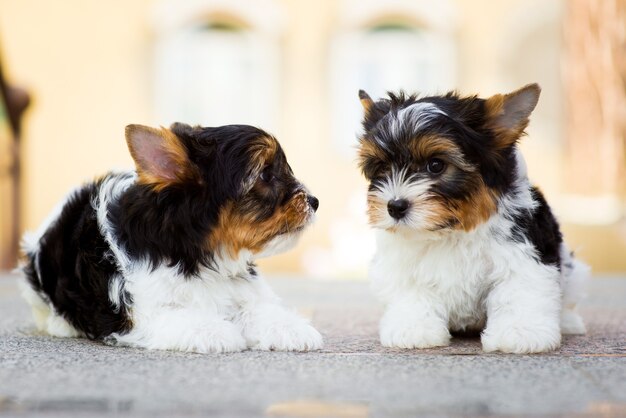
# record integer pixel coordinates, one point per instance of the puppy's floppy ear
(159, 155)
(366, 101)
(507, 114)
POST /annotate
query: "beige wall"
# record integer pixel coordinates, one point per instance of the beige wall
(88, 65)
(85, 63)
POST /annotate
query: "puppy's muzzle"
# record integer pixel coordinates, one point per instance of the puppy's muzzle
(398, 208)
(313, 202)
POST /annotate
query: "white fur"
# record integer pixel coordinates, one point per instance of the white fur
(110, 190)
(279, 245)
(433, 282)
(399, 186)
(415, 117)
(221, 310)
(46, 319)
(573, 278)
(408, 121)
(117, 293)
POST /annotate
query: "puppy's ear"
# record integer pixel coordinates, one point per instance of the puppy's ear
(507, 114)
(373, 111)
(366, 101)
(160, 157)
(182, 129)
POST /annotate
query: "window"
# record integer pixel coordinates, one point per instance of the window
(217, 69)
(389, 55)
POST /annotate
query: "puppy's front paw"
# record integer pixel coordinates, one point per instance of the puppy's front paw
(521, 338)
(274, 328)
(188, 332)
(572, 323)
(215, 337)
(292, 337)
(396, 332)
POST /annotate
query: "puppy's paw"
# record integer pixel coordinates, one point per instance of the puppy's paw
(404, 334)
(572, 323)
(300, 337)
(218, 337)
(521, 338)
(274, 328)
(183, 333)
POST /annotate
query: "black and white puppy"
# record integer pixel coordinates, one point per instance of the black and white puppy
(464, 241)
(163, 258)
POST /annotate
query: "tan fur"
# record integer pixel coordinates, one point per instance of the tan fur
(263, 151)
(496, 108)
(183, 169)
(375, 208)
(366, 101)
(468, 213)
(367, 149)
(236, 230)
(429, 146)
(507, 115)
(367, 104)
(477, 209)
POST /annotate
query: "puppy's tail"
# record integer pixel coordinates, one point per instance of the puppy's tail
(574, 277)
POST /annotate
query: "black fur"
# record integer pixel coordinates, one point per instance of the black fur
(74, 265)
(465, 124)
(252, 270)
(174, 224)
(541, 229)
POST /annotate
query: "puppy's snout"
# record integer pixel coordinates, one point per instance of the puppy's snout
(398, 208)
(313, 202)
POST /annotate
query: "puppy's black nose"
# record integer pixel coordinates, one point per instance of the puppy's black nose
(313, 202)
(397, 208)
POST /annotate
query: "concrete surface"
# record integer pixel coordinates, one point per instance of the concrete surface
(353, 376)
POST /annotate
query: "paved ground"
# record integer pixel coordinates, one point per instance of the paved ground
(352, 377)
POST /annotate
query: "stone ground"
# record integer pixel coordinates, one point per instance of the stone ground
(353, 376)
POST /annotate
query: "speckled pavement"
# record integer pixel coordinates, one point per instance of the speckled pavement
(353, 376)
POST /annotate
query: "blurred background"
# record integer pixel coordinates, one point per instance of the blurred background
(293, 67)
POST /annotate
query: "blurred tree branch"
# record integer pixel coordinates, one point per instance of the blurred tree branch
(15, 100)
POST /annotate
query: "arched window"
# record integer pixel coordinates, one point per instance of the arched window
(387, 49)
(218, 65)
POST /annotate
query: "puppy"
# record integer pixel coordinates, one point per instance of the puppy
(163, 258)
(465, 242)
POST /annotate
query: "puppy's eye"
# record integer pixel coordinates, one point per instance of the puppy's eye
(267, 175)
(435, 166)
